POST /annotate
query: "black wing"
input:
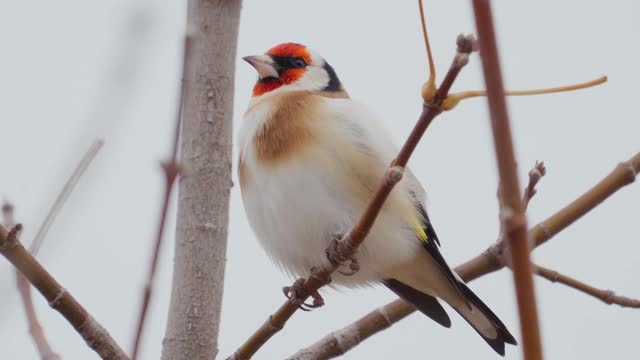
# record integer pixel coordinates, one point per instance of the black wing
(431, 244)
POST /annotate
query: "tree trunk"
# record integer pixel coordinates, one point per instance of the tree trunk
(203, 200)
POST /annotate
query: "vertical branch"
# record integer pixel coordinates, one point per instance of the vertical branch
(171, 169)
(513, 213)
(203, 199)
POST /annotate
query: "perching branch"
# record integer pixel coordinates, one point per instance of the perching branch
(490, 260)
(515, 225)
(59, 299)
(35, 329)
(607, 296)
(171, 169)
(347, 247)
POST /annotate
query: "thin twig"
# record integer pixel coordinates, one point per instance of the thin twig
(535, 175)
(321, 276)
(453, 99)
(490, 260)
(64, 195)
(35, 329)
(171, 169)
(59, 299)
(513, 213)
(429, 88)
(623, 174)
(606, 296)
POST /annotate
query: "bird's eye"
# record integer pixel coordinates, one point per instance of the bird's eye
(298, 62)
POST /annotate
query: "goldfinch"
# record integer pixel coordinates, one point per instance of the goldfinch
(310, 159)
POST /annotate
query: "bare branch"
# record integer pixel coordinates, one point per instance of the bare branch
(44, 349)
(625, 173)
(492, 259)
(535, 175)
(35, 329)
(171, 169)
(607, 296)
(515, 229)
(203, 196)
(340, 341)
(64, 194)
(321, 276)
(60, 299)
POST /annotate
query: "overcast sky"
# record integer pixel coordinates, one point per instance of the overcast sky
(75, 70)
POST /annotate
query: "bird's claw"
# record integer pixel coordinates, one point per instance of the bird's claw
(337, 259)
(296, 294)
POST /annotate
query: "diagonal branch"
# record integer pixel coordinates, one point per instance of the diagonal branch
(59, 299)
(321, 276)
(64, 194)
(607, 296)
(490, 260)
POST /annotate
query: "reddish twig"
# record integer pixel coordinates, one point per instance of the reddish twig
(59, 299)
(35, 329)
(513, 212)
(171, 169)
(321, 276)
(64, 195)
(607, 296)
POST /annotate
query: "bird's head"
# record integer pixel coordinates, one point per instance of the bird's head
(292, 66)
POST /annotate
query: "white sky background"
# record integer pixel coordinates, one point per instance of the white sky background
(74, 70)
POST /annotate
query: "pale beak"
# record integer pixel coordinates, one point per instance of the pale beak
(264, 65)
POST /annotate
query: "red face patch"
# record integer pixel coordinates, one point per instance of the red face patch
(289, 75)
(290, 50)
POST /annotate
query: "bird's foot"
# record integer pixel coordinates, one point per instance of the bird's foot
(336, 258)
(296, 294)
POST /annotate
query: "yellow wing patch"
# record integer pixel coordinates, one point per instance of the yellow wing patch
(420, 230)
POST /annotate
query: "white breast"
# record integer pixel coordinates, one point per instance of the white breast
(297, 207)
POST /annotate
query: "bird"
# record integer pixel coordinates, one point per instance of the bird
(310, 157)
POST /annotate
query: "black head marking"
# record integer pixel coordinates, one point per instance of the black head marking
(334, 83)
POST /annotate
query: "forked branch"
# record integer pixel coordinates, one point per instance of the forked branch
(59, 299)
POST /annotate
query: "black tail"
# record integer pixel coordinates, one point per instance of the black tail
(429, 306)
(503, 335)
(426, 304)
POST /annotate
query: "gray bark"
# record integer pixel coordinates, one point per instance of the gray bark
(203, 194)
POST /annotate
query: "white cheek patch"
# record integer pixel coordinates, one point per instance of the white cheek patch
(315, 78)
